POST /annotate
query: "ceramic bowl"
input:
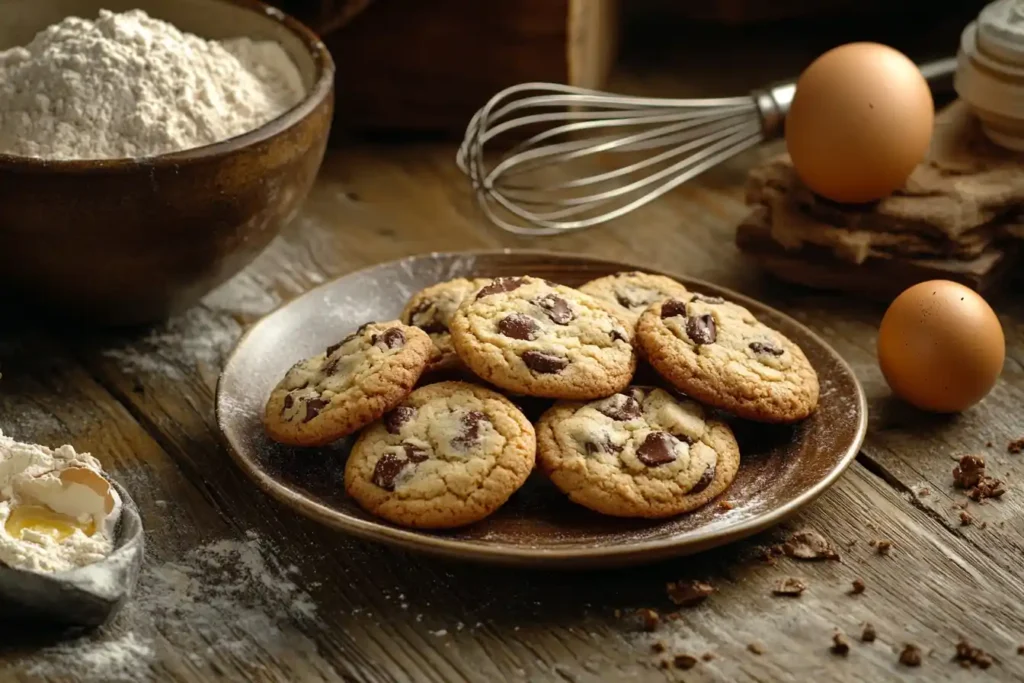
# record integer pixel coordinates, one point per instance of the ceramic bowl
(130, 241)
(83, 597)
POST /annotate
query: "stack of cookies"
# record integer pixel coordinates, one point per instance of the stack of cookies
(437, 452)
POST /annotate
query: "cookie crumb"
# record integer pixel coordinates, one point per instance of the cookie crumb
(664, 664)
(968, 471)
(725, 506)
(1020, 649)
(790, 586)
(911, 655)
(839, 644)
(858, 587)
(883, 547)
(924, 493)
(872, 543)
(966, 518)
(988, 444)
(650, 618)
(756, 648)
(684, 662)
(1016, 446)
(657, 647)
(688, 593)
(809, 544)
(969, 655)
(708, 656)
(987, 487)
(869, 634)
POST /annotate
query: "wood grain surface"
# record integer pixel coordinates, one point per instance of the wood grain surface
(238, 588)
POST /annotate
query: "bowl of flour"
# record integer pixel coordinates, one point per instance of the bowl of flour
(150, 149)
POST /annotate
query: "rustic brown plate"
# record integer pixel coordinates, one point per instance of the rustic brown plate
(782, 469)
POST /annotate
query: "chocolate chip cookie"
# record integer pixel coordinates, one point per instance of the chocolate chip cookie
(720, 354)
(431, 310)
(639, 453)
(534, 337)
(349, 385)
(451, 454)
(634, 291)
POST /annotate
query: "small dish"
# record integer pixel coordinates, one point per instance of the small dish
(83, 597)
(782, 468)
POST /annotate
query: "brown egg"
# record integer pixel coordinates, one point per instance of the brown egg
(941, 347)
(860, 121)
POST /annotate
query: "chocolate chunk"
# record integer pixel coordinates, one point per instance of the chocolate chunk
(705, 299)
(470, 434)
(657, 449)
(808, 544)
(313, 408)
(1016, 446)
(391, 338)
(394, 420)
(334, 347)
(519, 326)
(869, 634)
(289, 401)
(790, 587)
(911, 655)
(500, 284)
(840, 646)
(557, 309)
(387, 470)
(704, 481)
(688, 593)
(684, 662)
(858, 587)
(969, 471)
(766, 348)
(672, 308)
(544, 363)
(620, 407)
(701, 329)
(414, 453)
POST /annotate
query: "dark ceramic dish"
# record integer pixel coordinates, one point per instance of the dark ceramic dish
(782, 469)
(83, 597)
(130, 241)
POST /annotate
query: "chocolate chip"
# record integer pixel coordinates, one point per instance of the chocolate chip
(701, 329)
(672, 308)
(657, 449)
(500, 284)
(334, 347)
(765, 347)
(519, 326)
(391, 338)
(544, 363)
(705, 480)
(387, 470)
(688, 593)
(620, 407)
(703, 298)
(394, 420)
(289, 401)
(911, 655)
(557, 309)
(470, 434)
(414, 453)
(313, 408)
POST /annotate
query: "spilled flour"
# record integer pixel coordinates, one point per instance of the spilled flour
(225, 600)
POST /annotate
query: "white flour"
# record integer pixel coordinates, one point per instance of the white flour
(128, 85)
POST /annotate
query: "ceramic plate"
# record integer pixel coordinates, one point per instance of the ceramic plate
(782, 468)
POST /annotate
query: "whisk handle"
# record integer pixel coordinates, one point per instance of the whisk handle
(773, 103)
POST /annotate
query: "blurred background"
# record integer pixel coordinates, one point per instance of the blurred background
(425, 66)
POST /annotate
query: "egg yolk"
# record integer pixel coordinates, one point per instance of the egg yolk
(43, 520)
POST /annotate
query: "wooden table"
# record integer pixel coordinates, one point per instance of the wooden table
(237, 587)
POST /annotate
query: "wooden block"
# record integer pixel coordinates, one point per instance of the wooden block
(878, 278)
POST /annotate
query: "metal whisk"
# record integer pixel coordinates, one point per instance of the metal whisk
(625, 151)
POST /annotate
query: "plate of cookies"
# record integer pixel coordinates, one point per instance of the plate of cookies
(538, 409)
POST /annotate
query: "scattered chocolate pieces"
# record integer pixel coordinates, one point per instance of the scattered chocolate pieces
(650, 619)
(858, 587)
(756, 648)
(869, 634)
(657, 647)
(911, 655)
(840, 646)
(790, 586)
(1016, 446)
(883, 547)
(684, 662)
(969, 471)
(969, 655)
(988, 487)
(688, 593)
(808, 544)
(966, 518)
